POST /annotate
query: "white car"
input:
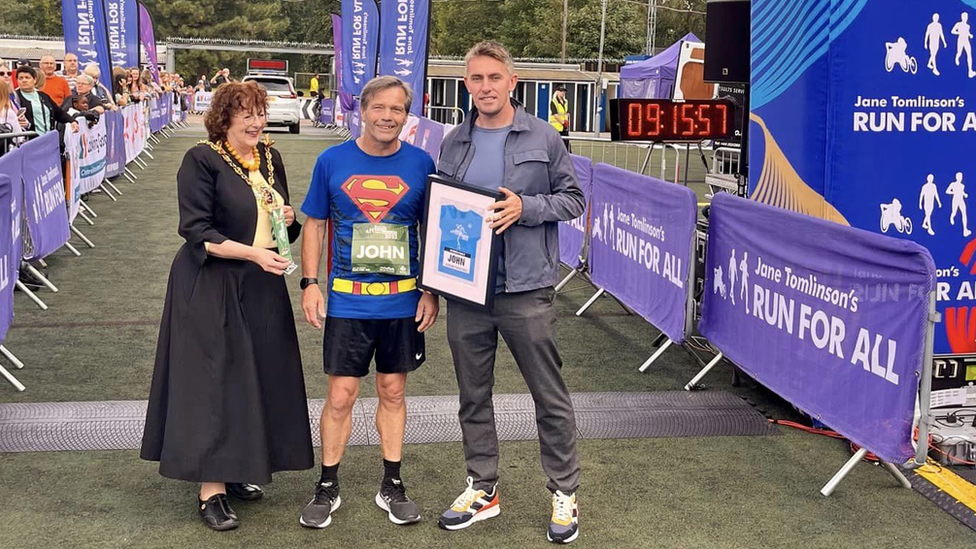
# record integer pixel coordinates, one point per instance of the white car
(284, 109)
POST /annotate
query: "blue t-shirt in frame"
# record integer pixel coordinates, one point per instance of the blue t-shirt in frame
(351, 187)
(487, 170)
(458, 249)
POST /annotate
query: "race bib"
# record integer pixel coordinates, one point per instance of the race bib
(381, 248)
(456, 260)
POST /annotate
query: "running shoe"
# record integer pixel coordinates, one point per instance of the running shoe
(470, 507)
(318, 512)
(393, 499)
(564, 524)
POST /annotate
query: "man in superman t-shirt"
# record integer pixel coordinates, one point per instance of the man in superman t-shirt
(372, 190)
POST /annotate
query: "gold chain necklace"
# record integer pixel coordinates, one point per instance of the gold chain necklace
(264, 193)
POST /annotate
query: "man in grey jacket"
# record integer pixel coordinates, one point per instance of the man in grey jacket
(500, 146)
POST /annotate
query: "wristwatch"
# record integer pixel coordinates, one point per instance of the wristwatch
(306, 282)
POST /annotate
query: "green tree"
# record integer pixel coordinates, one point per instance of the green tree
(625, 34)
(456, 25)
(532, 28)
(15, 18)
(228, 19)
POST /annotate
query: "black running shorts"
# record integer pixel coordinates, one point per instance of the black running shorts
(351, 343)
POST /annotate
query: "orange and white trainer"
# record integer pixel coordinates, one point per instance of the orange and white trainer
(470, 507)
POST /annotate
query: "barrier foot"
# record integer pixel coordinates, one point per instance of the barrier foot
(128, 177)
(87, 208)
(661, 338)
(590, 301)
(40, 276)
(114, 188)
(572, 274)
(11, 379)
(656, 354)
(37, 301)
(72, 249)
(899, 476)
(42, 263)
(128, 172)
(843, 472)
(708, 367)
(86, 218)
(151, 157)
(139, 162)
(10, 356)
(83, 238)
(107, 193)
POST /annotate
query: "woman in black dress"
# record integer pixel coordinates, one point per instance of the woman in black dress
(227, 406)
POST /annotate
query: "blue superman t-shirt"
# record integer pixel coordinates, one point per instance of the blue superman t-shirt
(460, 232)
(359, 192)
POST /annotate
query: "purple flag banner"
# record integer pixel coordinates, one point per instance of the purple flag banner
(148, 38)
(7, 258)
(47, 216)
(572, 233)
(115, 147)
(641, 245)
(403, 45)
(122, 19)
(361, 27)
(345, 98)
(86, 34)
(829, 317)
(159, 112)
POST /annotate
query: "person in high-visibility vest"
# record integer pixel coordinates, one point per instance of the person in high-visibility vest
(313, 86)
(559, 112)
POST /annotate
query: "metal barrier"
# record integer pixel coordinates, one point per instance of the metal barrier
(635, 157)
(445, 115)
(8, 140)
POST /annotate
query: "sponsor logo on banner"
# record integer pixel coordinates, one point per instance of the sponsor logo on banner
(44, 192)
(375, 195)
(829, 317)
(888, 98)
(201, 101)
(91, 151)
(641, 245)
(122, 19)
(361, 22)
(403, 44)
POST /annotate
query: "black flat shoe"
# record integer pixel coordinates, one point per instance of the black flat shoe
(244, 491)
(217, 514)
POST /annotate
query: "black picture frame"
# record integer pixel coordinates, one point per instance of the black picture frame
(431, 278)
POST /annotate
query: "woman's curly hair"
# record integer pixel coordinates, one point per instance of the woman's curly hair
(230, 99)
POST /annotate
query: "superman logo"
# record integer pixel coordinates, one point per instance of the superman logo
(375, 195)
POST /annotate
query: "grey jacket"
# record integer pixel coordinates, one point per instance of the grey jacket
(540, 171)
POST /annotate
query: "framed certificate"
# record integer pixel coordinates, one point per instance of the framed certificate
(459, 250)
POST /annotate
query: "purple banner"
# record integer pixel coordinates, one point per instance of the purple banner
(572, 233)
(641, 245)
(345, 99)
(326, 114)
(86, 34)
(7, 258)
(47, 216)
(148, 38)
(122, 19)
(160, 112)
(11, 248)
(830, 318)
(429, 135)
(361, 23)
(355, 122)
(115, 147)
(403, 45)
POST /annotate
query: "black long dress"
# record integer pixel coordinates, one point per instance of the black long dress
(227, 402)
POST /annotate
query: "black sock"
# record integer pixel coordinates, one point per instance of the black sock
(330, 473)
(391, 470)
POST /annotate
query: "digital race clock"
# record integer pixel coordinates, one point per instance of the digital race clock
(664, 120)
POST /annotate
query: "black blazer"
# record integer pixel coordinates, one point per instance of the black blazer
(56, 114)
(217, 205)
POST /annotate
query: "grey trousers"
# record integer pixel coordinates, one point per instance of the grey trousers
(527, 322)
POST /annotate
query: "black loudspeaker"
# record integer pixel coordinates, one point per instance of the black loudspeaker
(727, 39)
